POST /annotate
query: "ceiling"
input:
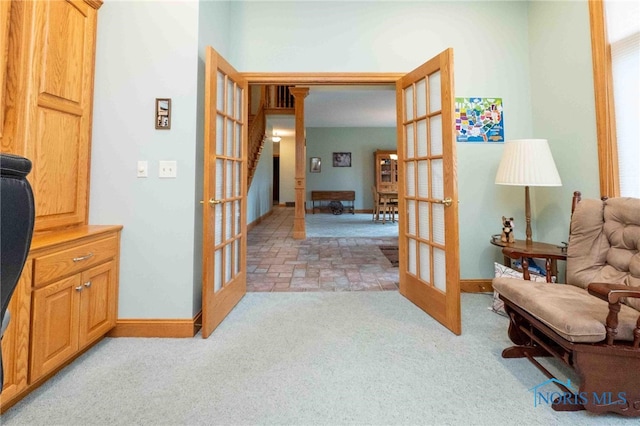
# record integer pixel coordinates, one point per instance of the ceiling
(342, 106)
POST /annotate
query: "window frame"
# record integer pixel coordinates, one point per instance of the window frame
(604, 105)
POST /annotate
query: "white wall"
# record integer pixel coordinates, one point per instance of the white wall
(213, 30)
(137, 62)
(260, 195)
(535, 56)
(361, 142)
(563, 109)
(287, 169)
(490, 42)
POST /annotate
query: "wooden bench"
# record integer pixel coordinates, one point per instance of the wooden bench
(328, 196)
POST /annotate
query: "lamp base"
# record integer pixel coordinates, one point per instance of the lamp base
(527, 215)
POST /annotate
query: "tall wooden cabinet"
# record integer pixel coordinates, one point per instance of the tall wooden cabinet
(50, 70)
(67, 296)
(386, 170)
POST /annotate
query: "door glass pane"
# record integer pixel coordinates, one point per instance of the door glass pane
(411, 221)
(435, 125)
(435, 103)
(238, 151)
(219, 178)
(421, 97)
(228, 210)
(229, 137)
(238, 103)
(410, 153)
(425, 263)
(408, 103)
(437, 180)
(219, 135)
(422, 138)
(220, 94)
(411, 179)
(217, 227)
(236, 214)
(236, 264)
(438, 223)
(423, 179)
(412, 257)
(238, 179)
(439, 269)
(227, 263)
(217, 278)
(424, 220)
(229, 95)
(229, 180)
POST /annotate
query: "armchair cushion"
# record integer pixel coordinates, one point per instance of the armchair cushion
(568, 310)
(604, 244)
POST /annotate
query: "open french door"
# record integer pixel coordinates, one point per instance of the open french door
(427, 190)
(224, 276)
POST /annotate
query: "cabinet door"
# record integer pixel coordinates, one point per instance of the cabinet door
(5, 9)
(55, 325)
(59, 110)
(15, 342)
(97, 303)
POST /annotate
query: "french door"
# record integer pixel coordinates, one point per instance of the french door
(427, 189)
(224, 276)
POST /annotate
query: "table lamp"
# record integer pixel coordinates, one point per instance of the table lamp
(527, 162)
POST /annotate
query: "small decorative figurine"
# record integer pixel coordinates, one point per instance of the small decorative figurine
(507, 235)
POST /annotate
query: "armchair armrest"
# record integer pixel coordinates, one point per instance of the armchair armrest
(612, 293)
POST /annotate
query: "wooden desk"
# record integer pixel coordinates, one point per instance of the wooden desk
(520, 250)
(321, 196)
(387, 197)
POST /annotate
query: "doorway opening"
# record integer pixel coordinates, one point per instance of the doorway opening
(341, 252)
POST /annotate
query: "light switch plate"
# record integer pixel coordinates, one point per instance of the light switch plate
(168, 169)
(143, 169)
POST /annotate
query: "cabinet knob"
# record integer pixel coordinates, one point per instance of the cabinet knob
(79, 288)
(87, 284)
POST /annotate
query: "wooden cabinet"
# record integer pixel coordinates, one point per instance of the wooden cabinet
(70, 314)
(48, 104)
(5, 13)
(67, 295)
(15, 342)
(386, 170)
(66, 300)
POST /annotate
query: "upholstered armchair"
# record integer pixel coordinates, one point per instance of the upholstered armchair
(17, 214)
(591, 323)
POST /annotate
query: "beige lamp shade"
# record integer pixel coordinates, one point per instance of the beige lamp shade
(527, 162)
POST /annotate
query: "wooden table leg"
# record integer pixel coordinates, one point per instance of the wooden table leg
(384, 211)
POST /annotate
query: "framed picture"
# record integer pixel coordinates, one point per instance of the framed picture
(315, 165)
(163, 113)
(341, 159)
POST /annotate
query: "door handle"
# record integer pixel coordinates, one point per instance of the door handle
(212, 201)
(447, 201)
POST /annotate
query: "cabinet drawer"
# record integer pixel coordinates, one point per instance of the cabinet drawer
(73, 260)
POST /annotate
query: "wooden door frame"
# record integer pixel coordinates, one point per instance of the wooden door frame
(315, 79)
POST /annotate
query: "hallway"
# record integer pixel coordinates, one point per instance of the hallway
(277, 262)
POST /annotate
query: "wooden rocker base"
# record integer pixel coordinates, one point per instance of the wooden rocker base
(608, 376)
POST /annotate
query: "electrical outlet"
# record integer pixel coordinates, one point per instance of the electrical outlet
(168, 169)
(143, 169)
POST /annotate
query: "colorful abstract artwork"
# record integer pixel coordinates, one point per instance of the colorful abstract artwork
(479, 120)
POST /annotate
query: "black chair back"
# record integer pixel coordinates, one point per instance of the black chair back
(17, 215)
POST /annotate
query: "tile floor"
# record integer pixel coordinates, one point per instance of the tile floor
(277, 262)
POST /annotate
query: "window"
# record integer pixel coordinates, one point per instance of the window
(615, 38)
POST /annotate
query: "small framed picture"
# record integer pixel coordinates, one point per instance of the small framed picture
(341, 159)
(315, 165)
(163, 113)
